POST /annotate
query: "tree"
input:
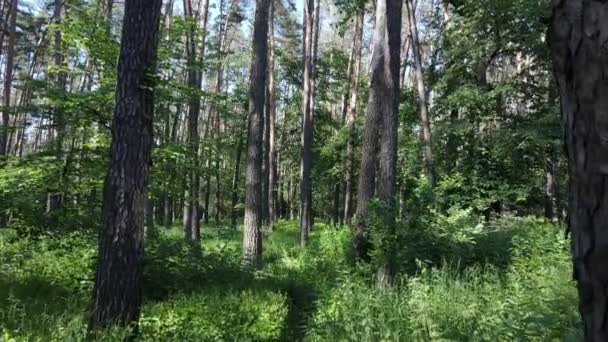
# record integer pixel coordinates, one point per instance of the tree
(307, 113)
(380, 133)
(351, 112)
(423, 111)
(576, 36)
(252, 234)
(8, 77)
(272, 125)
(117, 294)
(192, 229)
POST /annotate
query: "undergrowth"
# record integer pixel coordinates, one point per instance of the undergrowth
(461, 280)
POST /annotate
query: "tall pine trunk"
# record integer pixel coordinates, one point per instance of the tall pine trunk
(117, 294)
(577, 36)
(307, 130)
(272, 109)
(423, 111)
(351, 114)
(8, 77)
(252, 234)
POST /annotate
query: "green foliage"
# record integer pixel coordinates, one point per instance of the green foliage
(523, 300)
(464, 280)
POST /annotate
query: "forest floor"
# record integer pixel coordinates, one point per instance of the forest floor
(503, 280)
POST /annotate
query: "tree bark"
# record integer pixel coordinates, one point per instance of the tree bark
(307, 130)
(252, 234)
(577, 37)
(118, 280)
(425, 126)
(380, 133)
(272, 158)
(351, 114)
(192, 228)
(388, 139)
(8, 78)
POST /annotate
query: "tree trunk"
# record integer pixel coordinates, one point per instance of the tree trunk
(551, 209)
(168, 209)
(290, 198)
(218, 191)
(307, 130)
(192, 229)
(577, 36)
(149, 216)
(266, 158)
(425, 126)
(351, 114)
(237, 171)
(118, 284)
(272, 158)
(8, 78)
(381, 124)
(5, 12)
(388, 139)
(108, 13)
(252, 235)
(207, 195)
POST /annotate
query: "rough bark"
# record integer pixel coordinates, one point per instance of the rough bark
(388, 138)
(252, 234)
(8, 78)
(351, 114)
(578, 38)
(380, 133)
(423, 112)
(117, 294)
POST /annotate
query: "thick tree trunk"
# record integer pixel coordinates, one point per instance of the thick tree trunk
(252, 234)
(351, 114)
(118, 285)
(577, 36)
(8, 78)
(380, 134)
(425, 126)
(307, 130)
(388, 139)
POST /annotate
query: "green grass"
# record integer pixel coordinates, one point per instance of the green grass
(508, 280)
